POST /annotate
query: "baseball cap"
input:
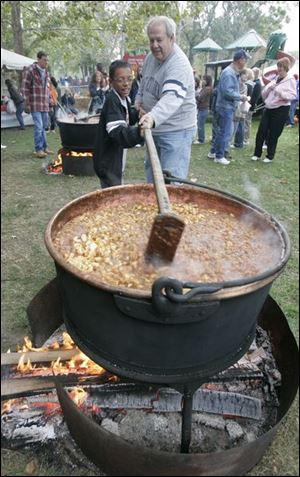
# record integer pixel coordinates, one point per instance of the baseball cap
(241, 55)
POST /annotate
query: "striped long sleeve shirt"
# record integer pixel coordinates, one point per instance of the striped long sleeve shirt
(167, 90)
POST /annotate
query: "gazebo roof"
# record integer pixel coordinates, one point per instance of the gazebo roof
(207, 45)
(247, 41)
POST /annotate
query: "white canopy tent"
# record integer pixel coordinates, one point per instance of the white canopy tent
(14, 61)
(10, 62)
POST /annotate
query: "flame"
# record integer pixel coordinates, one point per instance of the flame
(6, 406)
(79, 364)
(23, 367)
(56, 165)
(78, 395)
(79, 154)
(68, 343)
(48, 408)
(27, 346)
(10, 404)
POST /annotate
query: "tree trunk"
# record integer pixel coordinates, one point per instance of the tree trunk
(17, 27)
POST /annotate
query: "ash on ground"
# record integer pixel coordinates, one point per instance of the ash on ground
(210, 432)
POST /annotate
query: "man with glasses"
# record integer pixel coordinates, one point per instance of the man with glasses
(166, 99)
(36, 93)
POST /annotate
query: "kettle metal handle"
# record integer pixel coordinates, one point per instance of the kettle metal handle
(167, 292)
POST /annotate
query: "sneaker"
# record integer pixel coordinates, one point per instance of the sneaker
(265, 146)
(40, 154)
(211, 155)
(255, 158)
(138, 145)
(3, 147)
(289, 126)
(196, 142)
(246, 143)
(47, 151)
(222, 160)
(267, 160)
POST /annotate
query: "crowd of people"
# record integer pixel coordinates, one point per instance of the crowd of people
(168, 97)
(233, 101)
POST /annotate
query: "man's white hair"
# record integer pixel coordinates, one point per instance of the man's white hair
(169, 24)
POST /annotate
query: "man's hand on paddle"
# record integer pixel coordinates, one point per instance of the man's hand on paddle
(146, 121)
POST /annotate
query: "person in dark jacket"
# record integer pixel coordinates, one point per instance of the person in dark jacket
(203, 102)
(96, 93)
(135, 85)
(18, 102)
(115, 131)
(256, 92)
(68, 102)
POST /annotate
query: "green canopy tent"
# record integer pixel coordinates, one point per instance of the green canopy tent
(249, 42)
(208, 46)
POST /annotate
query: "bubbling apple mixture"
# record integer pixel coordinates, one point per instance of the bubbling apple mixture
(216, 246)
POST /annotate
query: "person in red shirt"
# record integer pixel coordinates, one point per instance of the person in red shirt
(36, 93)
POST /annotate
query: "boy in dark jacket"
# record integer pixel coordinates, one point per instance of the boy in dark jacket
(115, 131)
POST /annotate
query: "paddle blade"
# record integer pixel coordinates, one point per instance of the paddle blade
(164, 238)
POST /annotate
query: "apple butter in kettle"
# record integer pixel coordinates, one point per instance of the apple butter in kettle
(216, 246)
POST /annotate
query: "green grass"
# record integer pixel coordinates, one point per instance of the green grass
(30, 198)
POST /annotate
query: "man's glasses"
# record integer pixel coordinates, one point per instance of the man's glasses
(123, 80)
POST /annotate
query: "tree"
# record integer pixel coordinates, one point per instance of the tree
(17, 27)
(239, 17)
(78, 34)
(225, 22)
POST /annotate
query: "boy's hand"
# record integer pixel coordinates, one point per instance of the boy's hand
(146, 121)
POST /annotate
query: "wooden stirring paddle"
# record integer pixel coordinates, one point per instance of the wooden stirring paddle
(167, 228)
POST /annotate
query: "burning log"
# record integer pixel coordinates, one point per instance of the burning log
(32, 370)
(71, 367)
(17, 387)
(38, 356)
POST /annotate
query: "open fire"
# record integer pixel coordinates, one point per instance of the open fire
(67, 163)
(142, 414)
(29, 362)
(234, 394)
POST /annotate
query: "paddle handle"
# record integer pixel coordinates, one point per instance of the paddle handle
(162, 196)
